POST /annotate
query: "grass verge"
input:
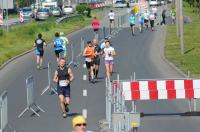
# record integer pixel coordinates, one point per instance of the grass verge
(20, 38)
(190, 60)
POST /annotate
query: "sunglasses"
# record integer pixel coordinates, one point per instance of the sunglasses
(83, 124)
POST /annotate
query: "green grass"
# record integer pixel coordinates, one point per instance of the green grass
(190, 60)
(21, 38)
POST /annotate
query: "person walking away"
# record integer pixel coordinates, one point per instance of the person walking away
(63, 76)
(65, 43)
(163, 17)
(140, 23)
(58, 46)
(97, 50)
(109, 53)
(79, 124)
(39, 44)
(173, 15)
(95, 25)
(152, 19)
(146, 19)
(111, 16)
(132, 24)
(89, 54)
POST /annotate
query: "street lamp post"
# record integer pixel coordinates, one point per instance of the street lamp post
(181, 27)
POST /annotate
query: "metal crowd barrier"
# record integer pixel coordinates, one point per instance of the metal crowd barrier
(30, 101)
(3, 111)
(49, 85)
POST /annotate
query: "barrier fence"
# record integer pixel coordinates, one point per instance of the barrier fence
(4, 111)
(30, 101)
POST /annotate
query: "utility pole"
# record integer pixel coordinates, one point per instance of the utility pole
(181, 27)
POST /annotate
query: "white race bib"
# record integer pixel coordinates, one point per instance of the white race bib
(88, 59)
(63, 83)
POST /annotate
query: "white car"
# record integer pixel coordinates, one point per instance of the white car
(133, 3)
(163, 2)
(120, 4)
(154, 2)
(68, 10)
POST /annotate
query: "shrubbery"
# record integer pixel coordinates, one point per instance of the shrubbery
(84, 10)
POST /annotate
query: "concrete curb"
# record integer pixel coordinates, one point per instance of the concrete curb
(162, 49)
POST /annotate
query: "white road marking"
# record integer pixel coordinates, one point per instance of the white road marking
(84, 65)
(84, 113)
(84, 77)
(84, 92)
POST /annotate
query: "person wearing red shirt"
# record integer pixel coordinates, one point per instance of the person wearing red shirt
(95, 25)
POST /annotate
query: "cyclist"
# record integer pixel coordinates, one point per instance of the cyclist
(97, 50)
(95, 25)
(39, 44)
(132, 23)
(140, 22)
(63, 76)
(58, 46)
(89, 54)
(109, 53)
(65, 43)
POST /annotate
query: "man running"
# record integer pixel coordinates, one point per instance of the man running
(89, 54)
(97, 51)
(58, 46)
(111, 16)
(173, 15)
(132, 24)
(39, 44)
(152, 19)
(63, 77)
(95, 25)
(109, 53)
(146, 19)
(65, 43)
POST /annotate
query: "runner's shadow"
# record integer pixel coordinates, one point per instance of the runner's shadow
(73, 114)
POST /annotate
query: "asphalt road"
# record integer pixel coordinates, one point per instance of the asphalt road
(140, 54)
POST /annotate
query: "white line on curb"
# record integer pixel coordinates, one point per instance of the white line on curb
(84, 92)
(84, 113)
(84, 65)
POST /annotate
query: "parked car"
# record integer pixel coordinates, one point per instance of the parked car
(27, 13)
(120, 4)
(132, 3)
(56, 11)
(42, 14)
(154, 2)
(163, 2)
(68, 9)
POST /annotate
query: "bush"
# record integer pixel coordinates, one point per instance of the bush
(82, 8)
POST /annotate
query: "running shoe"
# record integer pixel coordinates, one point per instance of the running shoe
(64, 115)
(66, 108)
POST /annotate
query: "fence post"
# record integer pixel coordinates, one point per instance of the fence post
(30, 98)
(49, 86)
(4, 111)
(104, 31)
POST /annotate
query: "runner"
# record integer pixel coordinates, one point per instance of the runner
(132, 24)
(95, 25)
(79, 124)
(88, 53)
(66, 42)
(109, 52)
(63, 77)
(97, 50)
(163, 17)
(39, 44)
(152, 19)
(173, 15)
(58, 46)
(140, 23)
(154, 10)
(111, 16)
(146, 19)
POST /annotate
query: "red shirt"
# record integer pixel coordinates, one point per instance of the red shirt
(95, 24)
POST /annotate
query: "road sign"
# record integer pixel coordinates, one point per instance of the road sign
(6, 4)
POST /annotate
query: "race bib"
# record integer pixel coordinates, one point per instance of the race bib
(88, 59)
(63, 83)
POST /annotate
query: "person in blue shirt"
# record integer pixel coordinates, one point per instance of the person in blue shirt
(132, 23)
(140, 22)
(58, 46)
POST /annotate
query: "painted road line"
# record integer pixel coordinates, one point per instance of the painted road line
(84, 92)
(84, 77)
(84, 113)
(84, 65)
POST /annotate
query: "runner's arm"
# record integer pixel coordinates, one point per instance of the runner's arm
(55, 77)
(71, 75)
(113, 53)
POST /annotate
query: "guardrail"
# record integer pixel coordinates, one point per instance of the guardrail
(66, 17)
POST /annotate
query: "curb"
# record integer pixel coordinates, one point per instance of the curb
(162, 49)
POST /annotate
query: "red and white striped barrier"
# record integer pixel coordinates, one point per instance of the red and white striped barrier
(21, 17)
(1, 19)
(161, 89)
